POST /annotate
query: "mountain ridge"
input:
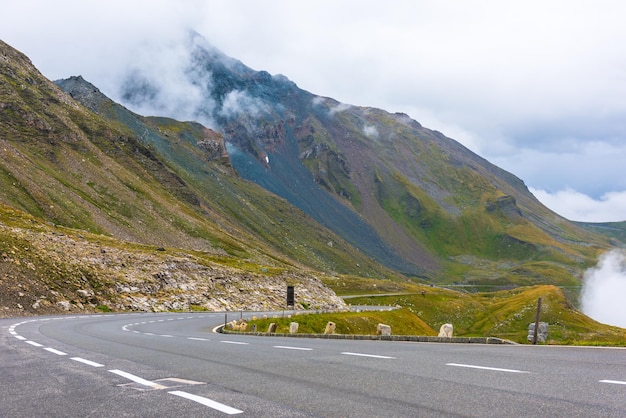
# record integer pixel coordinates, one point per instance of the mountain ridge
(393, 193)
(425, 199)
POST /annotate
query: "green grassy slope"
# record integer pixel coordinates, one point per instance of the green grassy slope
(151, 180)
(503, 314)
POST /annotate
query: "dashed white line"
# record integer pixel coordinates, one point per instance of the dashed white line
(347, 353)
(234, 342)
(33, 343)
(88, 362)
(55, 351)
(19, 337)
(286, 347)
(207, 402)
(471, 366)
(615, 382)
(197, 339)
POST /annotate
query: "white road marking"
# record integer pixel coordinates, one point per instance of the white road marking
(87, 362)
(234, 342)
(137, 379)
(34, 343)
(19, 337)
(347, 353)
(197, 339)
(207, 402)
(166, 335)
(615, 382)
(293, 348)
(470, 366)
(55, 351)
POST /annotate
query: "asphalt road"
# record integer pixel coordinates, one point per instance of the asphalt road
(168, 365)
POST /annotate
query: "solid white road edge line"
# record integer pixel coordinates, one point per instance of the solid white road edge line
(207, 402)
(34, 344)
(347, 353)
(88, 362)
(137, 379)
(615, 382)
(470, 366)
(55, 351)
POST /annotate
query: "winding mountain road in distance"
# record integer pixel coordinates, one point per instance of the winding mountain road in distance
(169, 364)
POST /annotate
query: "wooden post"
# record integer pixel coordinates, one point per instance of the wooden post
(536, 330)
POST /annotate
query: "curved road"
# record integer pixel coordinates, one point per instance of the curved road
(170, 365)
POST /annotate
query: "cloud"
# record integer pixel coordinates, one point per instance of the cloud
(604, 287)
(162, 81)
(590, 167)
(536, 88)
(238, 102)
(370, 131)
(341, 107)
(576, 206)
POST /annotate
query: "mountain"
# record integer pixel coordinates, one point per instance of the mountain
(84, 193)
(409, 197)
(284, 182)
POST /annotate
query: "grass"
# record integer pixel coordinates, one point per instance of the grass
(502, 314)
(401, 321)
(505, 314)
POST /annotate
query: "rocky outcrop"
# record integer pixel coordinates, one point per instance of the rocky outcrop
(505, 204)
(50, 272)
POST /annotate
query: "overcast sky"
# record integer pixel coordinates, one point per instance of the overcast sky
(536, 87)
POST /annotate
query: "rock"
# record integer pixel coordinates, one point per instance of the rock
(65, 305)
(293, 327)
(272, 328)
(330, 328)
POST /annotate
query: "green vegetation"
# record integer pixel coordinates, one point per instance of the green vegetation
(401, 321)
(503, 314)
(95, 173)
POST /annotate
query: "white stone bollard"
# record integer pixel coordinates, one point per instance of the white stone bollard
(383, 329)
(446, 331)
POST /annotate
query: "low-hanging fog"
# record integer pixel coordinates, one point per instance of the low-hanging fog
(604, 288)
